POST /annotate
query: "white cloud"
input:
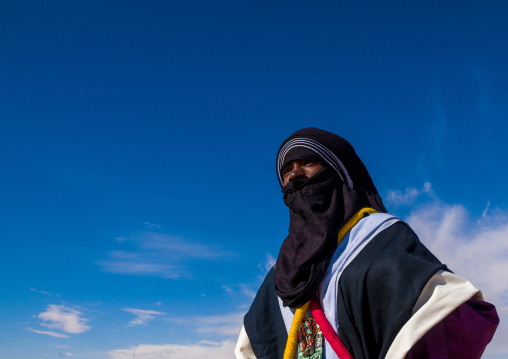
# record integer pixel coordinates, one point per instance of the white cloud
(476, 249)
(224, 350)
(226, 288)
(240, 293)
(229, 324)
(397, 198)
(215, 327)
(42, 292)
(142, 316)
(67, 319)
(151, 225)
(244, 293)
(69, 354)
(138, 265)
(175, 247)
(267, 264)
(160, 255)
(247, 291)
(52, 334)
(207, 342)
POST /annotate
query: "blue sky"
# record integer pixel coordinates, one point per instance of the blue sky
(139, 201)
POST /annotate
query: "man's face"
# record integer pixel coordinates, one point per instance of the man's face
(299, 169)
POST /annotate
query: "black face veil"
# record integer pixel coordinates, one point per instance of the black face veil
(318, 207)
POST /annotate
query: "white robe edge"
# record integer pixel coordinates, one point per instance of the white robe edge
(243, 349)
(442, 294)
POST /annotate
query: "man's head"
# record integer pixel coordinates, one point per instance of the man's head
(312, 145)
(315, 144)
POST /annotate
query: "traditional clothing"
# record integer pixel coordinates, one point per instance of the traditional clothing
(379, 292)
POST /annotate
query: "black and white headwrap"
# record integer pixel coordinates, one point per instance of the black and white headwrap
(318, 207)
(323, 152)
(338, 154)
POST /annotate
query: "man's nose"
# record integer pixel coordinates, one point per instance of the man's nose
(297, 172)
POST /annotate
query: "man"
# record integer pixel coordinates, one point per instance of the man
(354, 275)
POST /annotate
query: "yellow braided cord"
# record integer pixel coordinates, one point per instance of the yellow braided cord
(292, 343)
(353, 221)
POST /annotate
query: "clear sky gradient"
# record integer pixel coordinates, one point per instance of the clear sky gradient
(139, 203)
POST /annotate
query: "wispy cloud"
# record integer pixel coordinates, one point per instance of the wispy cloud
(151, 225)
(43, 292)
(69, 354)
(174, 246)
(241, 293)
(138, 264)
(214, 327)
(397, 198)
(67, 319)
(161, 255)
(474, 248)
(247, 291)
(244, 293)
(477, 248)
(51, 334)
(267, 264)
(229, 324)
(207, 342)
(223, 350)
(142, 316)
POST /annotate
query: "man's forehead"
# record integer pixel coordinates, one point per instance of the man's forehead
(300, 153)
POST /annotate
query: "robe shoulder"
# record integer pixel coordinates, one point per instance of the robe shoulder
(379, 288)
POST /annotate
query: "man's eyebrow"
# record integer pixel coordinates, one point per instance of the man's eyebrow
(288, 165)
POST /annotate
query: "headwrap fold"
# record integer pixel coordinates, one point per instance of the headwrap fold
(318, 207)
